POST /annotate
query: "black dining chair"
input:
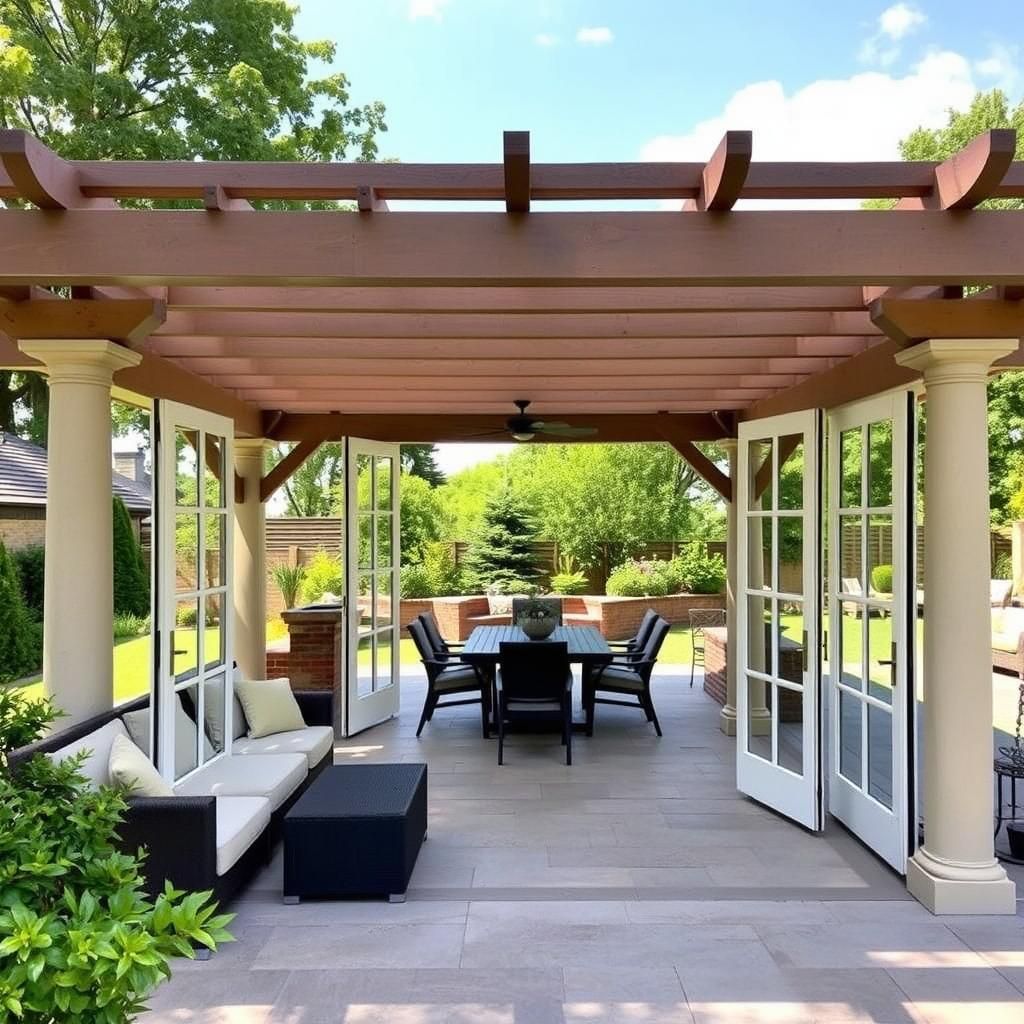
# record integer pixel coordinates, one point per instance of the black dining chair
(534, 683)
(442, 648)
(637, 641)
(519, 604)
(628, 676)
(446, 678)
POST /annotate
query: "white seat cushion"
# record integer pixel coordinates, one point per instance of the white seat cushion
(315, 742)
(240, 820)
(275, 776)
(96, 767)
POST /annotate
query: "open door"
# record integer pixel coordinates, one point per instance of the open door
(778, 615)
(872, 615)
(193, 606)
(372, 558)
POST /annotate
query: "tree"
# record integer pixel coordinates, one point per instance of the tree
(131, 578)
(313, 489)
(502, 555)
(419, 460)
(422, 515)
(17, 654)
(168, 80)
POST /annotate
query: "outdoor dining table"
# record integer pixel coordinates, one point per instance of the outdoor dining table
(586, 646)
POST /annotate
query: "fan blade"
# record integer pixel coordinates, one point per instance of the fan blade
(497, 432)
(564, 430)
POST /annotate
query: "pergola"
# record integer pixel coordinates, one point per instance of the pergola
(651, 325)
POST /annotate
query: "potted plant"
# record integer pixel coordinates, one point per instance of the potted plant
(537, 619)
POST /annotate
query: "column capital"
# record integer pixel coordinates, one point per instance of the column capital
(952, 360)
(251, 447)
(80, 361)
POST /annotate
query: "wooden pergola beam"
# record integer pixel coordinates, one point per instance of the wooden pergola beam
(128, 320)
(287, 467)
(484, 249)
(217, 200)
(909, 320)
(725, 174)
(37, 175)
(517, 172)
(368, 200)
(704, 468)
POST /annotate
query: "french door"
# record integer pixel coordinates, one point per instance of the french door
(193, 609)
(372, 559)
(872, 611)
(778, 615)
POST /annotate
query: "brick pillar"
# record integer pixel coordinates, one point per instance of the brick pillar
(316, 655)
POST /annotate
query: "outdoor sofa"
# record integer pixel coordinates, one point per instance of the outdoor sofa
(219, 826)
(1008, 640)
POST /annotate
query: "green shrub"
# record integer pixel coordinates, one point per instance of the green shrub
(128, 626)
(324, 575)
(636, 579)
(703, 573)
(289, 580)
(673, 572)
(569, 583)
(30, 563)
(1002, 567)
(79, 941)
(881, 579)
(131, 577)
(186, 616)
(415, 582)
(444, 577)
(17, 632)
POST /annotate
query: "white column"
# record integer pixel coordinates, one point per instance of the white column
(250, 556)
(727, 717)
(78, 601)
(955, 871)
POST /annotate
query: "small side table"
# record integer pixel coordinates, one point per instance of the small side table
(1006, 768)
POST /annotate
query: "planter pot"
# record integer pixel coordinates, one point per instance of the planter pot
(1015, 834)
(538, 629)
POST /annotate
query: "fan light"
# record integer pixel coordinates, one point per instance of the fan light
(521, 436)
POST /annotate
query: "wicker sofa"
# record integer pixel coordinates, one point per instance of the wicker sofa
(1008, 640)
(219, 826)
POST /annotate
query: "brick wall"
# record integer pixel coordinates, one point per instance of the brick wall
(21, 526)
(715, 680)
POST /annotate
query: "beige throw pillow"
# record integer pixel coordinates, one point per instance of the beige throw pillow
(130, 767)
(269, 706)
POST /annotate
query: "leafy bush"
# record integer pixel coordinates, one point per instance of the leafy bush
(31, 565)
(79, 941)
(673, 572)
(1002, 567)
(186, 615)
(18, 653)
(415, 582)
(289, 580)
(444, 577)
(128, 626)
(569, 579)
(636, 579)
(131, 577)
(881, 579)
(702, 573)
(324, 575)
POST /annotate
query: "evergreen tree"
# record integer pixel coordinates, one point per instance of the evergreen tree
(17, 649)
(502, 555)
(420, 460)
(131, 579)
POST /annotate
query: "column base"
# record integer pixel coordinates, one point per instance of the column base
(760, 722)
(945, 887)
(727, 720)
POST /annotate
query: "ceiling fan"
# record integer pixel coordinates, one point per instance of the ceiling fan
(523, 426)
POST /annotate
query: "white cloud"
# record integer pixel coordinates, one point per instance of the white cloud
(1001, 66)
(545, 39)
(427, 9)
(900, 20)
(863, 117)
(599, 35)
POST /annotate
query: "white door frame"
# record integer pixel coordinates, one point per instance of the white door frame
(364, 707)
(763, 775)
(885, 830)
(169, 593)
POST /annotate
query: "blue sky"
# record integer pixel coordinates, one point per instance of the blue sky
(662, 80)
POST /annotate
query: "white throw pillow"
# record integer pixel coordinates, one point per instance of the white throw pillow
(96, 765)
(130, 767)
(269, 706)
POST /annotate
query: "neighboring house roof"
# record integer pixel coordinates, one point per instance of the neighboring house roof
(23, 477)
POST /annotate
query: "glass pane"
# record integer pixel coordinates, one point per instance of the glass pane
(383, 482)
(213, 491)
(213, 714)
(364, 482)
(365, 541)
(759, 552)
(852, 636)
(880, 668)
(880, 755)
(365, 602)
(758, 633)
(213, 635)
(383, 541)
(382, 674)
(880, 463)
(851, 559)
(879, 553)
(186, 735)
(364, 666)
(851, 448)
(186, 639)
(132, 670)
(791, 642)
(186, 477)
(790, 481)
(791, 729)
(759, 720)
(850, 737)
(383, 603)
(213, 563)
(759, 466)
(186, 551)
(789, 570)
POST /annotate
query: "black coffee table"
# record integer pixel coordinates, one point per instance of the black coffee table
(356, 831)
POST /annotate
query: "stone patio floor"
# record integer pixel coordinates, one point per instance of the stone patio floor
(636, 887)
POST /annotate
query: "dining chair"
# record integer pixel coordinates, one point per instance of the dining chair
(630, 676)
(446, 678)
(519, 604)
(534, 683)
(701, 619)
(636, 642)
(442, 648)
